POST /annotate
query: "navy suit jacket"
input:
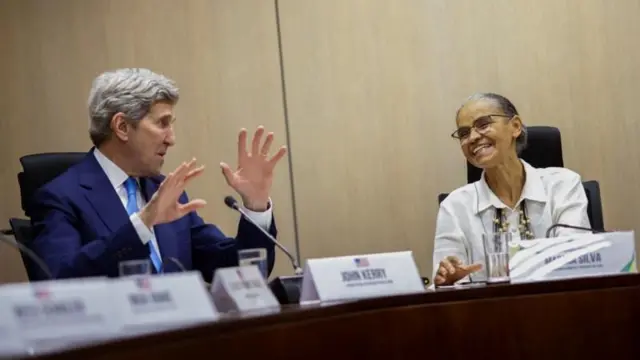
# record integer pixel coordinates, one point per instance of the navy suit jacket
(82, 229)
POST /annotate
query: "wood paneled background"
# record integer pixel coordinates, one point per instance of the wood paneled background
(366, 90)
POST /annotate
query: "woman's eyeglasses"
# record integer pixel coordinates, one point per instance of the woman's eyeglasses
(480, 125)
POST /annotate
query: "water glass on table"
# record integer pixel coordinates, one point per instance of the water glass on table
(258, 257)
(496, 249)
(135, 268)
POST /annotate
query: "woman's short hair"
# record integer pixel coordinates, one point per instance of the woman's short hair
(131, 91)
(507, 108)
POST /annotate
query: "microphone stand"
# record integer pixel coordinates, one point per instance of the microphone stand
(175, 261)
(285, 288)
(570, 227)
(233, 204)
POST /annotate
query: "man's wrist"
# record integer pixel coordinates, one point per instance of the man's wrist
(256, 206)
(146, 218)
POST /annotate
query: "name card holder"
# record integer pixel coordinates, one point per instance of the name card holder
(152, 303)
(51, 315)
(572, 256)
(358, 277)
(242, 289)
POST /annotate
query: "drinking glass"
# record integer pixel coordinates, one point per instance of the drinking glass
(496, 249)
(135, 267)
(258, 257)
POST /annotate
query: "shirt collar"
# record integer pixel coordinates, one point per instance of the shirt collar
(115, 175)
(533, 190)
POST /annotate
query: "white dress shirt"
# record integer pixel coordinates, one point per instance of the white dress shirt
(117, 178)
(551, 196)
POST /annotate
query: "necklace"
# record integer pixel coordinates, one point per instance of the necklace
(501, 225)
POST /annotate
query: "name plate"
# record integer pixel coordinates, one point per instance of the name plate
(150, 303)
(50, 315)
(11, 344)
(357, 277)
(242, 288)
(573, 256)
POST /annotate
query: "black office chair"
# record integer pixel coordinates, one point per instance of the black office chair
(544, 149)
(594, 210)
(38, 169)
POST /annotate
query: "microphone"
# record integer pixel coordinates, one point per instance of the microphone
(175, 261)
(32, 255)
(231, 202)
(571, 227)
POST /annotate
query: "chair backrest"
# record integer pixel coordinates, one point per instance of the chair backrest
(23, 233)
(594, 208)
(39, 169)
(544, 149)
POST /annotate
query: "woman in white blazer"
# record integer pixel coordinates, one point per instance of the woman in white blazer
(510, 196)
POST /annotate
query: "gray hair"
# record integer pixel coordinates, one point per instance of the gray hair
(131, 91)
(507, 108)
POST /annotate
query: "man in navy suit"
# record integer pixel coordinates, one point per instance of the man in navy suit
(115, 206)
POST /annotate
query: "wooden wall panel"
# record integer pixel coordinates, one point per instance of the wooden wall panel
(373, 86)
(223, 55)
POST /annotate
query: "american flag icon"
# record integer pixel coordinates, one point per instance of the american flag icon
(41, 293)
(143, 283)
(361, 262)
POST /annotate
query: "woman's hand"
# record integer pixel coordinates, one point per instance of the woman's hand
(451, 270)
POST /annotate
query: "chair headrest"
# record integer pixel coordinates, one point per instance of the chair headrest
(544, 149)
(39, 169)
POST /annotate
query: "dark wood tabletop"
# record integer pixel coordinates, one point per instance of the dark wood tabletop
(590, 318)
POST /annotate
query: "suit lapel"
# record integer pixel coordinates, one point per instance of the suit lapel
(107, 204)
(101, 194)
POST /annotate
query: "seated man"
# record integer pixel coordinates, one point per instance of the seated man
(115, 206)
(511, 195)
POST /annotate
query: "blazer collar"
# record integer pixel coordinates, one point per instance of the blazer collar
(533, 190)
(115, 174)
(101, 194)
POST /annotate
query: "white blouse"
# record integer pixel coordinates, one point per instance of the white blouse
(551, 195)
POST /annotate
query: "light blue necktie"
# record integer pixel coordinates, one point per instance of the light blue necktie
(132, 206)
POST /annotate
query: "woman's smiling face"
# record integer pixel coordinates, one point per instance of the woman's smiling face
(487, 135)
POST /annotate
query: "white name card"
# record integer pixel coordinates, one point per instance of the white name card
(11, 344)
(150, 303)
(242, 289)
(363, 276)
(55, 314)
(573, 256)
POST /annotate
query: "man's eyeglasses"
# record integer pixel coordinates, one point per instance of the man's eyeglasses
(481, 125)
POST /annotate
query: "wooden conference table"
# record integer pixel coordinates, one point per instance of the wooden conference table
(593, 318)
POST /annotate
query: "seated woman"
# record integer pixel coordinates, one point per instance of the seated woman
(511, 195)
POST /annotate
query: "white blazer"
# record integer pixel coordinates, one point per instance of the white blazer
(551, 195)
